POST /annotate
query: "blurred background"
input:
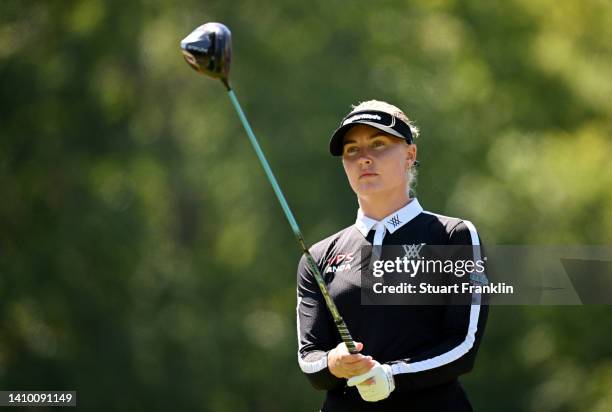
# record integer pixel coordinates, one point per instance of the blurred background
(144, 261)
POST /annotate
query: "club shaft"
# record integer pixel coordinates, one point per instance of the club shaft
(340, 324)
(264, 163)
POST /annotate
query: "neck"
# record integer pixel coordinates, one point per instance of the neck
(377, 207)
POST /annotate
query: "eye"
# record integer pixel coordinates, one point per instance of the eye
(378, 144)
(350, 150)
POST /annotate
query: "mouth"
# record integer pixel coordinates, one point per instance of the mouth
(367, 174)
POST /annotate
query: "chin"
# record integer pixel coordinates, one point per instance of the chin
(369, 190)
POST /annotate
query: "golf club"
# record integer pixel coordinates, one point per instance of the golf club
(208, 50)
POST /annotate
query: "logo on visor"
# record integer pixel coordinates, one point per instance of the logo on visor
(362, 116)
(368, 116)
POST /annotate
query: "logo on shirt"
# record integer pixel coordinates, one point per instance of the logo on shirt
(395, 221)
(339, 262)
(413, 251)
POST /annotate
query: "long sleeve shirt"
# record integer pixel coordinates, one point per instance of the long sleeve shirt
(428, 347)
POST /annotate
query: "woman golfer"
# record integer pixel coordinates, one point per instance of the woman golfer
(410, 357)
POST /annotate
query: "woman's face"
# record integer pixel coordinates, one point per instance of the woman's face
(376, 163)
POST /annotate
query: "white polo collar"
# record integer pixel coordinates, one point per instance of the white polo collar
(392, 222)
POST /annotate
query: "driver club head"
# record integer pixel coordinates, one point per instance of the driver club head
(208, 50)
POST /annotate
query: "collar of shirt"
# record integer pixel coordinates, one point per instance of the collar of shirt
(392, 222)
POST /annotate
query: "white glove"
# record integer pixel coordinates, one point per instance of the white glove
(382, 387)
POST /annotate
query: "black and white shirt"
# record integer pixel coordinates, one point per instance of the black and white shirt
(428, 347)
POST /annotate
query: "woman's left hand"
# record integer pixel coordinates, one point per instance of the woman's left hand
(376, 384)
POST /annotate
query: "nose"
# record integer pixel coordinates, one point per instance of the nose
(364, 160)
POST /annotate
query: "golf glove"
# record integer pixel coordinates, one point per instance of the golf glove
(382, 387)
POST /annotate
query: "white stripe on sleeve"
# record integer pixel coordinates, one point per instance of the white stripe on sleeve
(468, 342)
(305, 366)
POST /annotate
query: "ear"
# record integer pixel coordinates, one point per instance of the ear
(411, 153)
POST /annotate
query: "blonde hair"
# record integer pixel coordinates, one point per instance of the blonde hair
(411, 172)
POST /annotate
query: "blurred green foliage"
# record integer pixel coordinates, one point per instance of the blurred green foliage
(144, 261)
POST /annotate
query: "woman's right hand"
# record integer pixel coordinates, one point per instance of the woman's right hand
(343, 364)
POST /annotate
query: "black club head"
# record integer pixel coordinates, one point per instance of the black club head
(208, 50)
